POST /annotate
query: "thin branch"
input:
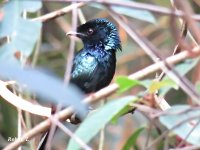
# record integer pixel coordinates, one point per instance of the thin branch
(51, 130)
(70, 133)
(179, 38)
(161, 102)
(71, 47)
(21, 103)
(183, 22)
(58, 13)
(192, 25)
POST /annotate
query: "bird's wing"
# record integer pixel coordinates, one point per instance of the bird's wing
(83, 67)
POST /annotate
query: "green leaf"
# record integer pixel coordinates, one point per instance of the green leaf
(23, 33)
(198, 86)
(155, 85)
(93, 124)
(183, 69)
(119, 114)
(133, 139)
(179, 113)
(125, 83)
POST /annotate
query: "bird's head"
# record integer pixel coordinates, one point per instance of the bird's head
(99, 32)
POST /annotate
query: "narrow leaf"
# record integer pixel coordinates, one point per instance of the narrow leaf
(93, 124)
(133, 139)
(125, 83)
(155, 85)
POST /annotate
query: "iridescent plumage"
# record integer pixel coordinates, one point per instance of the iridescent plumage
(94, 65)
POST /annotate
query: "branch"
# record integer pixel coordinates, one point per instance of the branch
(192, 25)
(22, 103)
(71, 47)
(58, 13)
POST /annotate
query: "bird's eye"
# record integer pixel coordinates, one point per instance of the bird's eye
(90, 31)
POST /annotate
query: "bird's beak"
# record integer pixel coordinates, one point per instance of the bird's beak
(72, 33)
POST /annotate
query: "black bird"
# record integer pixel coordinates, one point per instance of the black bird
(94, 65)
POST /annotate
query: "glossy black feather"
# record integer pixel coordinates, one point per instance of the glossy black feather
(94, 65)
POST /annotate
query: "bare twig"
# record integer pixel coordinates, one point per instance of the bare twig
(52, 130)
(81, 16)
(192, 25)
(58, 13)
(184, 22)
(161, 102)
(71, 47)
(178, 38)
(70, 133)
(21, 103)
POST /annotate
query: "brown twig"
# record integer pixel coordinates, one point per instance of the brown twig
(70, 133)
(21, 103)
(71, 47)
(192, 25)
(57, 13)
